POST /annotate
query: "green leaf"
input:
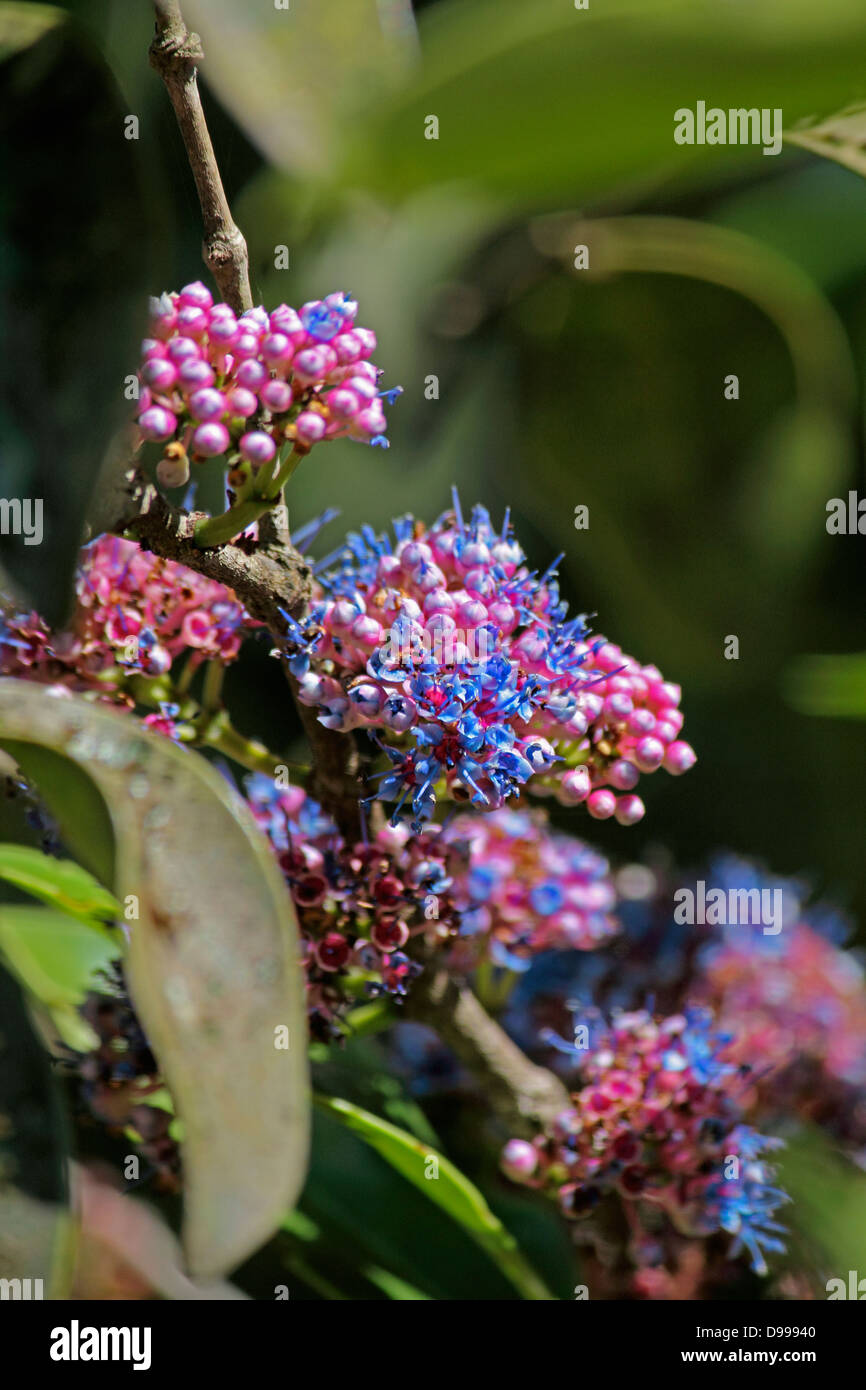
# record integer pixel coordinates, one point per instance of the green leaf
(212, 965)
(21, 25)
(34, 1226)
(394, 1287)
(841, 137)
(344, 49)
(439, 1179)
(61, 882)
(828, 1203)
(77, 805)
(58, 959)
(543, 102)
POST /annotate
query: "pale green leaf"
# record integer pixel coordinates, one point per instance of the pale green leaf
(212, 964)
(60, 882)
(58, 959)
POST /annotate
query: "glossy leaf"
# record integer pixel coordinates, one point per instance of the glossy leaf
(493, 71)
(61, 882)
(21, 25)
(58, 959)
(841, 138)
(212, 965)
(439, 1179)
(339, 52)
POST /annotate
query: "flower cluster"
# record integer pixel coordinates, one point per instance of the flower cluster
(121, 1083)
(213, 383)
(656, 1118)
(464, 664)
(135, 613)
(791, 995)
(522, 888)
(359, 906)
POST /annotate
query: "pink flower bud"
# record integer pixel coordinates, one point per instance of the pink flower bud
(601, 804)
(210, 440)
(277, 396)
(648, 754)
(575, 786)
(257, 446)
(679, 758)
(629, 810)
(157, 423)
(207, 404)
(309, 428)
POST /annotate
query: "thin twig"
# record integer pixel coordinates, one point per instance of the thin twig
(267, 577)
(175, 53)
(272, 578)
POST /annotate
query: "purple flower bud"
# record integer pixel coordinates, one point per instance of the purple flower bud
(309, 427)
(207, 404)
(629, 810)
(312, 364)
(322, 320)
(399, 713)
(277, 396)
(371, 421)
(343, 303)
(197, 295)
(343, 402)
(367, 699)
(163, 316)
(285, 320)
(257, 446)
(256, 318)
(367, 339)
(192, 321)
(348, 347)
(362, 387)
(159, 374)
(648, 754)
(679, 757)
(641, 722)
(601, 804)
(618, 706)
(247, 345)
(157, 423)
(210, 440)
(519, 1159)
(179, 349)
(241, 402)
(223, 332)
(623, 775)
(277, 350)
(575, 786)
(194, 373)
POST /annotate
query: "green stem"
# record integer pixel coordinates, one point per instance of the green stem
(212, 689)
(222, 737)
(284, 472)
(184, 680)
(220, 530)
